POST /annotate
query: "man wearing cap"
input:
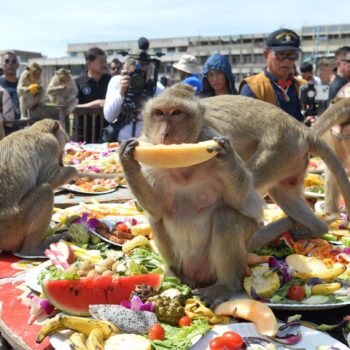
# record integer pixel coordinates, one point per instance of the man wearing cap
(189, 71)
(276, 84)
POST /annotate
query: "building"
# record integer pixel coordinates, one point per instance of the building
(318, 44)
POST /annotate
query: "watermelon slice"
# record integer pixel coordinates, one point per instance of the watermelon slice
(75, 296)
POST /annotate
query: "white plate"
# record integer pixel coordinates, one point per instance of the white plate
(297, 306)
(310, 337)
(58, 340)
(313, 194)
(111, 222)
(77, 189)
(31, 277)
(23, 256)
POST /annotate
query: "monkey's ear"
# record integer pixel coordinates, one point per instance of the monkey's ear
(55, 127)
(335, 100)
(185, 87)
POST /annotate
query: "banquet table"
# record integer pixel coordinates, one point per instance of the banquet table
(14, 314)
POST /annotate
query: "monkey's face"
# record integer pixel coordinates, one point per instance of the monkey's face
(35, 74)
(173, 121)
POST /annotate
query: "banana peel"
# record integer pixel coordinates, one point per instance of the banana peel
(51, 326)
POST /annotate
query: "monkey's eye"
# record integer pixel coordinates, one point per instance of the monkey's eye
(158, 112)
(176, 112)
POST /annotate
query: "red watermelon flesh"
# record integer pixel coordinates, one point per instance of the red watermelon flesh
(75, 296)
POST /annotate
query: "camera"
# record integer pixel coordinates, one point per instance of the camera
(311, 96)
(141, 86)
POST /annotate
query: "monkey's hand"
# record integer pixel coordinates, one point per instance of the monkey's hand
(224, 149)
(126, 155)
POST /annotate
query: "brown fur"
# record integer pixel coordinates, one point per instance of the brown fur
(30, 168)
(337, 114)
(62, 90)
(27, 100)
(202, 216)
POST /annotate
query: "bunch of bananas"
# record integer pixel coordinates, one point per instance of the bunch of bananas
(89, 334)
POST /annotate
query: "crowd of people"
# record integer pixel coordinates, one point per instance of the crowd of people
(108, 85)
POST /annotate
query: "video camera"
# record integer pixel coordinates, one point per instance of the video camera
(141, 86)
(309, 95)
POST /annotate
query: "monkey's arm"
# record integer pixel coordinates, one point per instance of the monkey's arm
(236, 177)
(62, 176)
(54, 89)
(143, 191)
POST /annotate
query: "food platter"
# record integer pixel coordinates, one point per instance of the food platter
(310, 337)
(111, 222)
(97, 210)
(313, 194)
(31, 277)
(76, 189)
(296, 306)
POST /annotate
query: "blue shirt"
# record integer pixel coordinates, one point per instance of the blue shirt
(291, 104)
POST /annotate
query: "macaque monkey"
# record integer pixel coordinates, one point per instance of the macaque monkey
(62, 90)
(276, 149)
(30, 168)
(202, 216)
(334, 127)
(29, 95)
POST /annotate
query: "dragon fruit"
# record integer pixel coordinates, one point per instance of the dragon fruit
(127, 320)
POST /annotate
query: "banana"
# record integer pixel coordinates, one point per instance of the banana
(327, 275)
(76, 341)
(86, 325)
(325, 288)
(95, 340)
(51, 326)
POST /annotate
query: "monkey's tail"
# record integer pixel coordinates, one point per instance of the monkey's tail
(321, 149)
(337, 113)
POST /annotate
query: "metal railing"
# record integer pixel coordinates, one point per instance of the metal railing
(83, 124)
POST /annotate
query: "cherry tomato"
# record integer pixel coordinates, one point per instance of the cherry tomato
(218, 343)
(156, 332)
(234, 340)
(185, 321)
(296, 292)
(122, 227)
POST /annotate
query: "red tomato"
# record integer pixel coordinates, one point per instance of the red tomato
(296, 292)
(234, 340)
(122, 227)
(156, 332)
(185, 321)
(218, 343)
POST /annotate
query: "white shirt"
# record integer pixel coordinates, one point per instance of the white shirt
(113, 105)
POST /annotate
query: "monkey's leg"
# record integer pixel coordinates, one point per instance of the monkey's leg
(23, 107)
(231, 232)
(35, 213)
(332, 194)
(291, 201)
(23, 228)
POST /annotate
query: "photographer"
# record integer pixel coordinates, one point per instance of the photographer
(125, 97)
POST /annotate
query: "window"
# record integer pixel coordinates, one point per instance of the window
(182, 49)
(170, 49)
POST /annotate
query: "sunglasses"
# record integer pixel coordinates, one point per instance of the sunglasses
(8, 61)
(283, 56)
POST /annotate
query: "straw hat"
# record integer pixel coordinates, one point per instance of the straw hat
(188, 64)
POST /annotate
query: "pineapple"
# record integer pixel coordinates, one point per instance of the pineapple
(264, 281)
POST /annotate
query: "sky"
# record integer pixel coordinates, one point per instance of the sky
(48, 26)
